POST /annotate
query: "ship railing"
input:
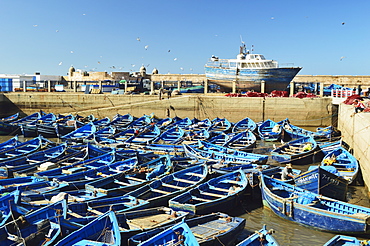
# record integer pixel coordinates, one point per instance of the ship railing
(218, 63)
(342, 93)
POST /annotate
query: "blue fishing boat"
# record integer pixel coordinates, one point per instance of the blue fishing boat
(327, 147)
(269, 130)
(8, 168)
(183, 123)
(121, 122)
(213, 152)
(141, 122)
(179, 234)
(221, 194)
(145, 136)
(133, 178)
(312, 210)
(323, 180)
(219, 139)
(341, 240)
(210, 229)
(49, 130)
(40, 227)
(162, 123)
(301, 151)
(24, 148)
(249, 71)
(104, 230)
(199, 125)
(13, 128)
(137, 221)
(10, 143)
(158, 192)
(220, 125)
(192, 137)
(242, 141)
(245, 124)
(173, 135)
(345, 163)
(10, 118)
(261, 237)
(30, 129)
(80, 134)
(298, 132)
(8, 209)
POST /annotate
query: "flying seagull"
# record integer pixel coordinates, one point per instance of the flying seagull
(342, 58)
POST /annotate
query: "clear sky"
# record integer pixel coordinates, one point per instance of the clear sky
(324, 37)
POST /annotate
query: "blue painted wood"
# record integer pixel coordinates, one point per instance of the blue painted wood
(261, 237)
(342, 240)
(269, 130)
(309, 209)
(221, 194)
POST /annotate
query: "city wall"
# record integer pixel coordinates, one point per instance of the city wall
(356, 133)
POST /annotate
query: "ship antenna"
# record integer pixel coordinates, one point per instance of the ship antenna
(243, 47)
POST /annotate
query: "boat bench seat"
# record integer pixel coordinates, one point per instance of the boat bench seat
(195, 174)
(201, 199)
(161, 191)
(172, 186)
(135, 179)
(32, 145)
(211, 194)
(185, 181)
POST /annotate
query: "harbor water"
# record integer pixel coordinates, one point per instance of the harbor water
(286, 233)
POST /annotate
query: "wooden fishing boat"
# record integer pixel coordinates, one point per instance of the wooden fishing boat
(72, 155)
(132, 179)
(80, 134)
(10, 118)
(341, 240)
(162, 123)
(221, 194)
(104, 230)
(10, 143)
(219, 139)
(13, 128)
(24, 148)
(158, 192)
(9, 167)
(165, 149)
(8, 209)
(213, 152)
(269, 130)
(49, 130)
(298, 132)
(245, 124)
(59, 173)
(30, 129)
(323, 180)
(40, 227)
(103, 122)
(35, 201)
(183, 123)
(12, 184)
(179, 234)
(220, 125)
(199, 125)
(141, 122)
(192, 137)
(261, 237)
(301, 151)
(145, 136)
(210, 229)
(173, 135)
(243, 141)
(66, 127)
(312, 210)
(327, 147)
(120, 122)
(345, 163)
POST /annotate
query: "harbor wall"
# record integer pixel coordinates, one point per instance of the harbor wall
(302, 112)
(355, 130)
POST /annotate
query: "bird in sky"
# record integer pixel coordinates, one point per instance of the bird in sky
(343, 23)
(342, 58)
(138, 39)
(60, 63)
(146, 47)
(72, 52)
(175, 59)
(35, 25)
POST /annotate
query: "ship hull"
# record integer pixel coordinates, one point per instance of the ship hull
(250, 79)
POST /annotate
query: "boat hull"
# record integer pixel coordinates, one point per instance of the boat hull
(250, 79)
